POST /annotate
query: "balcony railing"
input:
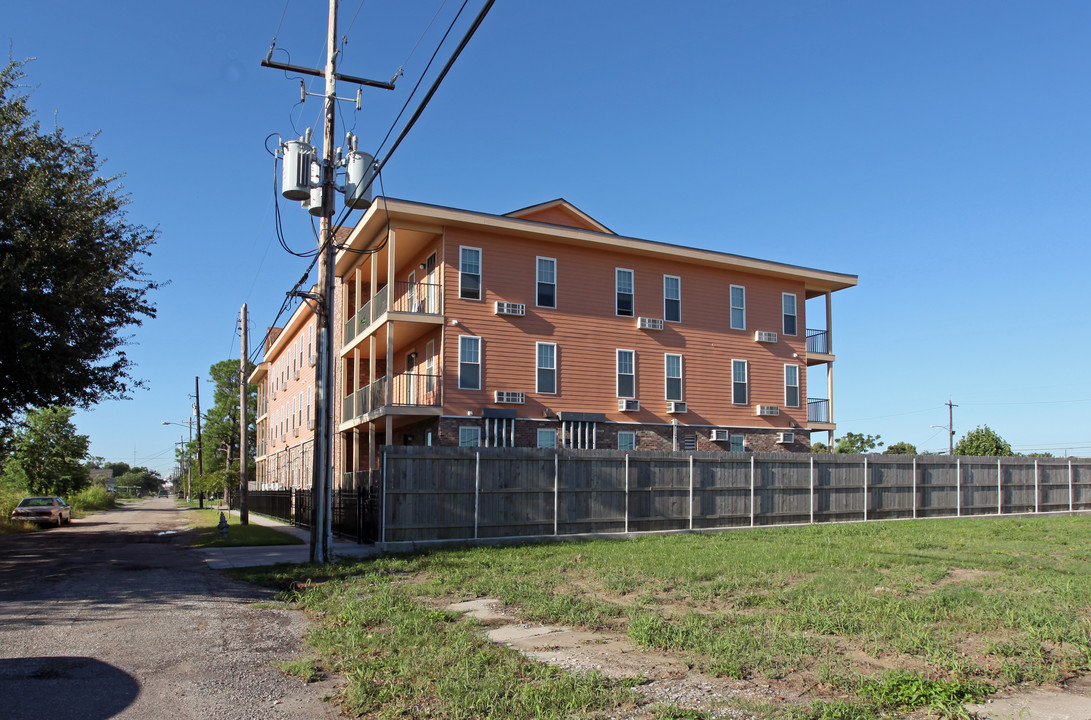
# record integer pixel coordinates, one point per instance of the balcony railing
(818, 410)
(410, 389)
(412, 297)
(818, 341)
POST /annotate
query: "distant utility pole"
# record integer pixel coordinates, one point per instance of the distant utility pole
(321, 483)
(244, 424)
(200, 454)
(951, 427)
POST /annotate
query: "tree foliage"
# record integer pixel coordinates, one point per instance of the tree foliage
(901, 448)
(983, 442)
(71, 281)
(220, 431)
(48, 454)
(856, 443)
(819, 447)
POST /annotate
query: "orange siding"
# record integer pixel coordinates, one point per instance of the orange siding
(588, 332)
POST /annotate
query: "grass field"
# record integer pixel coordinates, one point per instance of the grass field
(207, 533)
(868, 618)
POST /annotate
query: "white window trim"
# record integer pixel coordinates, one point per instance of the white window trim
(538, 367)
(475, 428)
(667, 377)
(538, 281)
(795, 312)
(480, 273)
(632, 293)
(665, 298)
(617, 373)
(799, 397)
(746, 382)
(730, 307)
(480, 362)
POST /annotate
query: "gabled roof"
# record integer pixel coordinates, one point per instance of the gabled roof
(560, 212)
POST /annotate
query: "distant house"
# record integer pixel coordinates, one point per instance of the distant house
(543, 328)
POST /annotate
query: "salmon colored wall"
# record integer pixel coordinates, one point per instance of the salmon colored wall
(587, 332)
(557, 216)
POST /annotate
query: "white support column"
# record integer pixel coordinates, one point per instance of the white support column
(556, 489)
(865, 488)
(958, 487)
(751, 491)
(914, 487)
(1071, 503)
(626, 493)
(1036, 486)
(690, 492)
(999, 488)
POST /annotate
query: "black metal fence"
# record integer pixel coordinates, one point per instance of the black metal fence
(355, 512)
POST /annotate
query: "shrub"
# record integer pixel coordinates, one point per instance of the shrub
(91, 498)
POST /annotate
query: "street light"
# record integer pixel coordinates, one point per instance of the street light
(950, 438)
(189, 465)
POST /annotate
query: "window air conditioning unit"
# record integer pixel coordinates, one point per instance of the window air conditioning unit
(766, 337)
(310, 423)
(720, 436)
(646, 323)
(624, 405)
(786, 438)
(510, 308)
(509, 397)
(768, 410)
(295, 431)
(295, 375)
(675, 406)
(310, 359)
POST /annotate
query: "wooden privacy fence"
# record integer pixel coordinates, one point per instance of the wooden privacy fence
(444, 494)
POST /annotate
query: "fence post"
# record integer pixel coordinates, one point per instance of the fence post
(556, 488)
(690, 492)
(1071, 505)
(999, 488)
(1035, 486)
(626, 493)
(382, 510)
(812, 489)
(751, 491)
(914, 487)
(865, 488)
(477, 489)
(958, 487)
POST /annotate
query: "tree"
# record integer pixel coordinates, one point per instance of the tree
(983, 442)
(71, 281)
(901, 448)
(855, 443)
(220, 435)
(48, 454)
(819, 447)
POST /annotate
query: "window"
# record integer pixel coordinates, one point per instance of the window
(547, 368)
(310, 344)
(469, 363)
(547, 439)
(791, 385)
(739, 394)
(738, 443)
(626, 441)
(469, 436)
(623, 282)
(789, 303)
(673, 366)
(738, 307)
(626, 373)
(430, 367)
(469, 273)
(672, 298)
(547, 282)
(310, 422)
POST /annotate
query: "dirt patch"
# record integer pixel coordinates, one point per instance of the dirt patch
(668, 679)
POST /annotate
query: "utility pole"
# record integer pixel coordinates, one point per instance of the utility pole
(200, 455)
(951, 427)
(321, 482)
(244, 426)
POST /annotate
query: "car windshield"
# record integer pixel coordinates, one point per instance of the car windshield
(36, 502)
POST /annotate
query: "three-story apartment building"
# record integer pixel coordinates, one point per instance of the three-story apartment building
(542, 328)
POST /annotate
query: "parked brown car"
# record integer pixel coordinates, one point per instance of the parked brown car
(43, 510)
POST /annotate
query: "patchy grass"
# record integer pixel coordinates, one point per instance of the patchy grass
(304, 668)
(207, 533)
(867, 618)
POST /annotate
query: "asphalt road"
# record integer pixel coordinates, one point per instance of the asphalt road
(109, 618)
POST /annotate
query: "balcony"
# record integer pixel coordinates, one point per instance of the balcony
(417, 304)
(412, 394)
(818, 347)
(818, 414)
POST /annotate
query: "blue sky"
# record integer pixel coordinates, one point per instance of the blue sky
(938, 150)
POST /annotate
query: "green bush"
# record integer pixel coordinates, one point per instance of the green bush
(92, 498)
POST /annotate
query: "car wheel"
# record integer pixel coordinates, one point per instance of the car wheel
(60, 519)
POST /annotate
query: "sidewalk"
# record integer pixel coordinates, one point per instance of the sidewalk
(234, 557)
